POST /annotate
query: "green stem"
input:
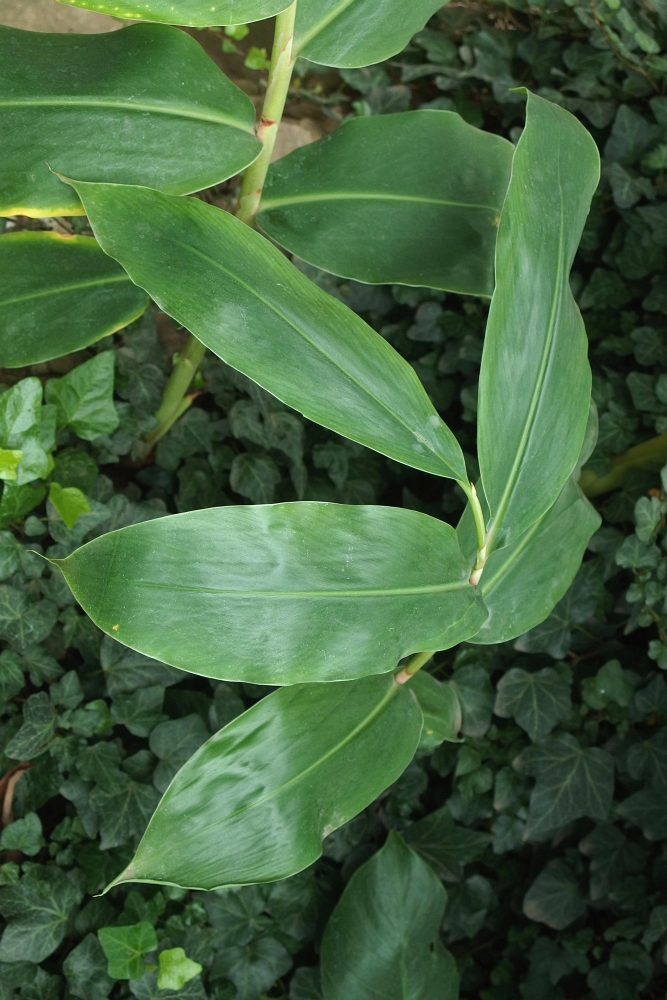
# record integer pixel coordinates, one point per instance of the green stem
(280, 75)
(414, 664)
(173, 403)
(648, 455)
(480, 529)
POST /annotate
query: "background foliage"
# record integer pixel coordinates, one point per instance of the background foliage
(548, 822)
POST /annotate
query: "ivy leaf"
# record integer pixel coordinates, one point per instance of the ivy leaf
(613, 857)
(554, 898)
(646, 809)
(536, 700)
(70, 502)
(446, 846)
(23, 622)
(37, 911)
(254, 476)
(16, 501)
(475, 693)
(173, 742)
(305, 984)
(125, 670)
(84, 397)
(86, 970)
(124, 812)
(175, 969)
(39, 723)
(125, 947)
(572, 781)
(236, 913)
(20, 429)
(24, 835)
(140, 711)
(608, 685)
(254, 967)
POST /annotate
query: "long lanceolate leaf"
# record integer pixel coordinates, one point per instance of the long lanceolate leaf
(534, 385)
(59, 294)
(144, 105)
(240, 296)
(195, 13)
(412, 198)
(357, 32)
(255, 802)
(280, 594)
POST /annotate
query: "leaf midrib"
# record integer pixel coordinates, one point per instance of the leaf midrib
(544, 362)
(167, 110)
(397, 417)
(61, 289)
(269, 203)
(360, 592)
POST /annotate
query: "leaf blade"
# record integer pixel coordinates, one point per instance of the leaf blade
(193, 13)
(269, 805)
(60, 294)
(554, 174)
(71, 106)
(342, 591)
(240, 296)
(412, 198)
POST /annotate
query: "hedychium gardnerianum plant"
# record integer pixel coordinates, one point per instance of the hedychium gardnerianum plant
(323, 601)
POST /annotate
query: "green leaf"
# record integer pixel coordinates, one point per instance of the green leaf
(608, 685)
(21, 426)
(241, 297)
(522, 582)
(144, 105)
(124, 811)
(357, 32)
(446, 846)
(9, 463)
(125, 948)
(196, 13)
(84, 398)
(572, 781)
(59, 294)
(176, 969)
(535, 339)
(24, 835)
(70, 502)
(37, 911)
(341, 591)
(139, 711)
(412, 198)
(173, 743)
(17, 501)
(86, 970)
(254, 968)
(125, 670)
(254, 476)
(256, 801)
(554, 898)
(536, 700)
(37, 728)
(440, 708)
(382, 939)
(475, 693)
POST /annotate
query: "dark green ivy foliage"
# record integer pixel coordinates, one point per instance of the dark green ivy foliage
(548, 823)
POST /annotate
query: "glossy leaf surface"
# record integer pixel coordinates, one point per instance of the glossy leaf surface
(144, 105)
(240, 296)
(440, 707)
(382, 937)
(412, 198)
(280, 594)
(522, 582)
(196, 13)
(357, 32)
(59, 294)
(535, 380)
(255, 802)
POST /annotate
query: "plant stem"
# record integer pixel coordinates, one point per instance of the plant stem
(280, 75)
(174, 402)
(648, 455)
(414, 664)
(480, 529)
